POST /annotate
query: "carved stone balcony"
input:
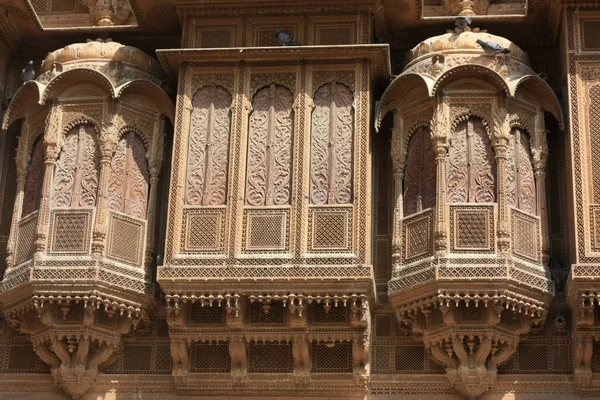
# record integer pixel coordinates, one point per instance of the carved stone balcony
(469, 246)
(82, 234)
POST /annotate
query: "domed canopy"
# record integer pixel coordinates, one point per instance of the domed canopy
(463, 43)
(74, 55)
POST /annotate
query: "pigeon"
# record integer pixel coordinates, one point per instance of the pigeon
(28, 74)
(492, 47)
(284, 39)
(462, 22)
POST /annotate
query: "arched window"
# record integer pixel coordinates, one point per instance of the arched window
(128, 180)
(470, 167)
(332, 138)
(268, 175)
(35, 178)
(76, 171)
(519, 173)
(208, 152)
(419, 175)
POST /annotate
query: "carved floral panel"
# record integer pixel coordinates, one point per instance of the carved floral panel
(519, 173)
(76, 170)
(332, 138)
(470, 165)
(268, 176)
(128, 179)
(35, 179)
(208, 152)
(419, 176)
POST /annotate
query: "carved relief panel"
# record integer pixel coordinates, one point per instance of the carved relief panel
(76, 171)
(128, 181)
(35, 175)
(521, 192)
(471, 169)
(268, 170)
(332, 138)
(419, 176)
(208, 158)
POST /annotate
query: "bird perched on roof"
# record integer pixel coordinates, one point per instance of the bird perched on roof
(284, 39)
(28, 74)
(462, 23)
(492, 47)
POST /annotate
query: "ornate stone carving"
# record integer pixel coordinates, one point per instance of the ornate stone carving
(208, 153)
(76, 172)
(35, 179)
(470, 175)
(128, 179)
(332, 138)
(520, 180)
(420, 173)
(268, 174)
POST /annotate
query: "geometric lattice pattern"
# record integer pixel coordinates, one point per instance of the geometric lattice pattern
(594, 132)
(273, 313)
(595, 227)
(203, 231)
(332, 36)
(332, 314)
(330, 229)
(332, 357)
(270, 357)
(205, 357)
(26, 239)
(266, 231)
(204, 314)
(472, 228)
(409, 358)
(590, 34)
(150, 358)
(418, 235)
(126, 239)
(70, 232)
(525, 235)
(215, 38)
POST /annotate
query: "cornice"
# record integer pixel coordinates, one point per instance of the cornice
(378, 54)
(249, 7)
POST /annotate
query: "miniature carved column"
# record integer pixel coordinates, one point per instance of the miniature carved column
(18, 207)
(154, 174)
(50, 157)
(51, 143)
(540, 158)
(107, 148)
(501, 139)
(439, 138)
(398, 167)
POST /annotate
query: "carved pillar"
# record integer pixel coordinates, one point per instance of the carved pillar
(50, 157)
(398, 166)
(500, 143)
(151, 216)
(107, 148)
(540, 157)
(18, 207)
(439, 136)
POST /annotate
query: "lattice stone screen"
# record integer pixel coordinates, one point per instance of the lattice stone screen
(70, 231)
(215, 37)
(541, 357)
(204, 314)
(273, 313)
(144, 358)
(203, 230)
(472, 228)
(126, 239)
(418, 235)
(210, 357)
(595, 224)
(332, 357)
(525, 235)
(270, 357)
(266, 229)
(323, 314)
(26, 238)
(590, 34)
(330, 229)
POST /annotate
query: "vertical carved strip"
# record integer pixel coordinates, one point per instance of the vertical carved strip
(107, 146)
(332, 138)
(540, 157)
(33, 187)
(398, 166)
(457, 174)
(526, 181)
(439, 131)
(210, 124)
(21, 176)
(269, 148)
(137, 178)
(419, 184)
(501, 141)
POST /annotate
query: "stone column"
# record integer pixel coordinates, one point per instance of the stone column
(18, 207)
(500, 144)
(107, 148)
(540, 158)
(41, 237)
(398, 156)
(151, 221)
(439, 135)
